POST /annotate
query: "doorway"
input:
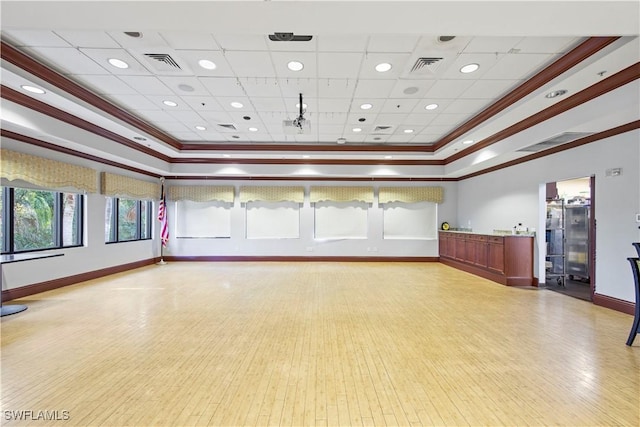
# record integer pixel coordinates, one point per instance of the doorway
(570, 238)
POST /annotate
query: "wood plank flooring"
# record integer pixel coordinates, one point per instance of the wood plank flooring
(303, 344)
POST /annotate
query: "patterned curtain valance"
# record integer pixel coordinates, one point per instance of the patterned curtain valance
(47, 173)
(123, 186)
(271, 194)
(411, 194)
(341, 194)
(202, 193)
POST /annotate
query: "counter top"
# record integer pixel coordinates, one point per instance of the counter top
(489, 234)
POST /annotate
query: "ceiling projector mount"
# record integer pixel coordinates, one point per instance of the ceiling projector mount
(299, 124)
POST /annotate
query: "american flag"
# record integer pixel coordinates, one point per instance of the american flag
(162, 217)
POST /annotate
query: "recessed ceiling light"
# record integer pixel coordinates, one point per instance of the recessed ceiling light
(295, 65)
(408, 131)
(388, 157)
(118, 63)
(236, 104)
(207, 65)
(431, 107)
(366, 106)
(357, 130)
(306, 156)
(201, 128)
(33, 89)
(341, 140)
(383, 67)
(469, 68)
(555, 93)
(253, 129)
(226, 155)
(468, 141)
(170, 103)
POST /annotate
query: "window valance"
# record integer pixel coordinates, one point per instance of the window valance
(271, 194)
(411, 194)
(47, 173)
(341, 194)
(202, 193)
(123, 186)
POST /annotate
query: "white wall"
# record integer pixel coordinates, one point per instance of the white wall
(511, 195)
(306, 245)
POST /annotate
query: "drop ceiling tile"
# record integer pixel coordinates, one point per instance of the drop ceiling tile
(134, 102)
(489, 89)
(439, 130)
(172, 126)
(261, 87)
(190, 40)
(400, 139)
(329, 138)
(547, 44)
(147, 85)
(202, 103)
(400, 130)
(425, 139)
(259, 137)
(242, 124)
(187, 86)
(238, 42)
(191, 57)
(342, 43)
(222, 86)
(292, 105)
(267, 104)
(394, 105)
(519, 66)
(392, 43)
(306, 137)
(89, 39)
(376, 105)
(398, 62)
(390, 119)
(448, 119)
(333, 129)
(378, 139)
(355, 138)
(215, 117)
(102, 56)
(491, 44)
(189, 117)
(293, 46)
(249, 64)
(339, 65)
(308, 60)
(68, 60)
(334, 105)
(336, 88)
(466, 106)
(35, 38)
(186, 136)
(292, 87)
(374, 88)
(448, 89)
(418, 119)
(410, 89)
(105, 85)
(149, 39)
(156, 116)
(333, 118)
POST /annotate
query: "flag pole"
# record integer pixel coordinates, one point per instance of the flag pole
(162, 217)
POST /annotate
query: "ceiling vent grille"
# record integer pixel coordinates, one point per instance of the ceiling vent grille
(229, 126)
(555, 141)
(383, 130)
(427, 65)
(165, 59)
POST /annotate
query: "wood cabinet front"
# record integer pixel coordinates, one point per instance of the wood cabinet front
(503, 259)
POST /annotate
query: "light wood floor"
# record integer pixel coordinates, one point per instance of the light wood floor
(304, 344)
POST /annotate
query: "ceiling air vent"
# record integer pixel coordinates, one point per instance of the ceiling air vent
(427, 65)
(560, 139)
(383, 130)
(165, 59)
(229, 126)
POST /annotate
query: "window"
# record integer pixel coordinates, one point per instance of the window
(39, 219)
(341, 220)
(273, 220)
(410, 221)
(127, 220)
(203, 219)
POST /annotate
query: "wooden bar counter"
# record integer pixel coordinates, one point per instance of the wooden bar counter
(506, 259)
